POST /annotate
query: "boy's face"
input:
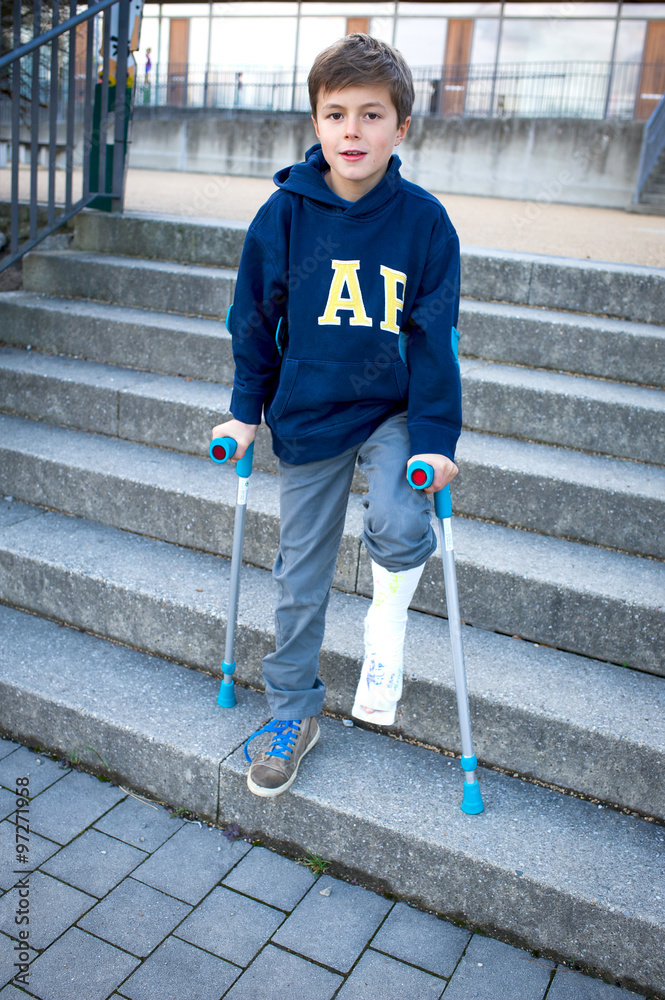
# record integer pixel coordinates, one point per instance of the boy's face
(358, 130)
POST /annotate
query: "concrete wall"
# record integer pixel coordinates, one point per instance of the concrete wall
(574, 161)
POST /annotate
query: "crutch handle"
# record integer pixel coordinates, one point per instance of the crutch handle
(420, 475)
(222, 449)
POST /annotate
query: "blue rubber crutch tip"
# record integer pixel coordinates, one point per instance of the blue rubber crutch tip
(420, 475)
(472, 800)
(227, 696)
(221, 449)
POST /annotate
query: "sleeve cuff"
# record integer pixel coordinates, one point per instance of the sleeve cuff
(246, 407)
(430, 439)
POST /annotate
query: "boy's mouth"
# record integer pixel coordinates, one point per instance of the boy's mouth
(352, 155)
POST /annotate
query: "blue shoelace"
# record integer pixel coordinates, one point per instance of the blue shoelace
(282, 743)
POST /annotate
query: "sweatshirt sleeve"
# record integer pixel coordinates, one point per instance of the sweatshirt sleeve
(434, 416)
(258, 303)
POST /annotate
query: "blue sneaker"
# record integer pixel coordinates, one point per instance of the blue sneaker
(275, 769)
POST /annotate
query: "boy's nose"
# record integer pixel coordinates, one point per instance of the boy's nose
(352, 127)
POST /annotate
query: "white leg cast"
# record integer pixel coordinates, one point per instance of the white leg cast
(380, 685)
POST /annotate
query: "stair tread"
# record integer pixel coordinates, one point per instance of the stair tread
(500, 667)
(151, 319)
(618, 575)
(141, 264)
(563, 384)
(527, 854)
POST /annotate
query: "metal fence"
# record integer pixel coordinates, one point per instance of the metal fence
(48, 83)
(516, 90)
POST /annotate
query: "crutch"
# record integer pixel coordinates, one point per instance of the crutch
(221, 450)
(420, 475)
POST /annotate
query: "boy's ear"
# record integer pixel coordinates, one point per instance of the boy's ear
(402, 130)
(316, 127)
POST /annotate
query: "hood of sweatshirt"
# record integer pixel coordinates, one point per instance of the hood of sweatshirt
(307, 179)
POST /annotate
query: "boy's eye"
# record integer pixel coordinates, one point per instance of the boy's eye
(372, 115)
(335, 115)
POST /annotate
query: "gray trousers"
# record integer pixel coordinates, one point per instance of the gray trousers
(397, 533)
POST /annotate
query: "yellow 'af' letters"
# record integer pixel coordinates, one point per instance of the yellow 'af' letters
(345, 277)
(391, 278)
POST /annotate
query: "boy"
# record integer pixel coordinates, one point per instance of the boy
(360, 267)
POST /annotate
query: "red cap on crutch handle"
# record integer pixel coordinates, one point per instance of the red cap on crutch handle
(420, 475)
(221, 449)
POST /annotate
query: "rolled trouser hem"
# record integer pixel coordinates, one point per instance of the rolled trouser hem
(401, 567)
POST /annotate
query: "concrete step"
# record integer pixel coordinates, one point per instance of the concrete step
(522, 868)
(625, 421)
(545, 338)
(531, 706)
(190, 290)
(555, 491)
(544, 589)
(624, 291)
(589, 414)
(119, 335)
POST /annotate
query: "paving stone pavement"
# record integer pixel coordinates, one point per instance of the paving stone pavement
(125, 900)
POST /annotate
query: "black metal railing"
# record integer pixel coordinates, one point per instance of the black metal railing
(653, 144)
(510, 90)
(49, 85)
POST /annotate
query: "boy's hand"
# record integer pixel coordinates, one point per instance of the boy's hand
(244, 434)
(444, 470)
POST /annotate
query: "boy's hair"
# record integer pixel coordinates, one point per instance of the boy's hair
(362, 60)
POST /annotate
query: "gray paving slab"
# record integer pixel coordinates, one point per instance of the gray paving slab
(79, 965)
(40, 850)
(94, 862)
(333, 929)
(275, 974)
(135, 917)
(53, 907)
(146, 825)
(7, 803)
(545, 865)
(70, 805)
(422, 939)
(24, 763)
(7, 746)
(271, 878)
(570, 985)
(230, 925)
(179, 971)
(492, 970)
(8, 957)
(191, 862)
(377, 975)
(11, 993)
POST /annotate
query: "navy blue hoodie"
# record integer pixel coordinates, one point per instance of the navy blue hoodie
(341, 280)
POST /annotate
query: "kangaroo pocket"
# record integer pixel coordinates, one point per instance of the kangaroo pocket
(313, 396)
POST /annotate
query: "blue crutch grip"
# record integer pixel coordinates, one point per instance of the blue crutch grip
(420, 475)
(222, 449)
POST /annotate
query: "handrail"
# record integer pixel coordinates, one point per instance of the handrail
(61, 29)
(106, 104)
(653, 143)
